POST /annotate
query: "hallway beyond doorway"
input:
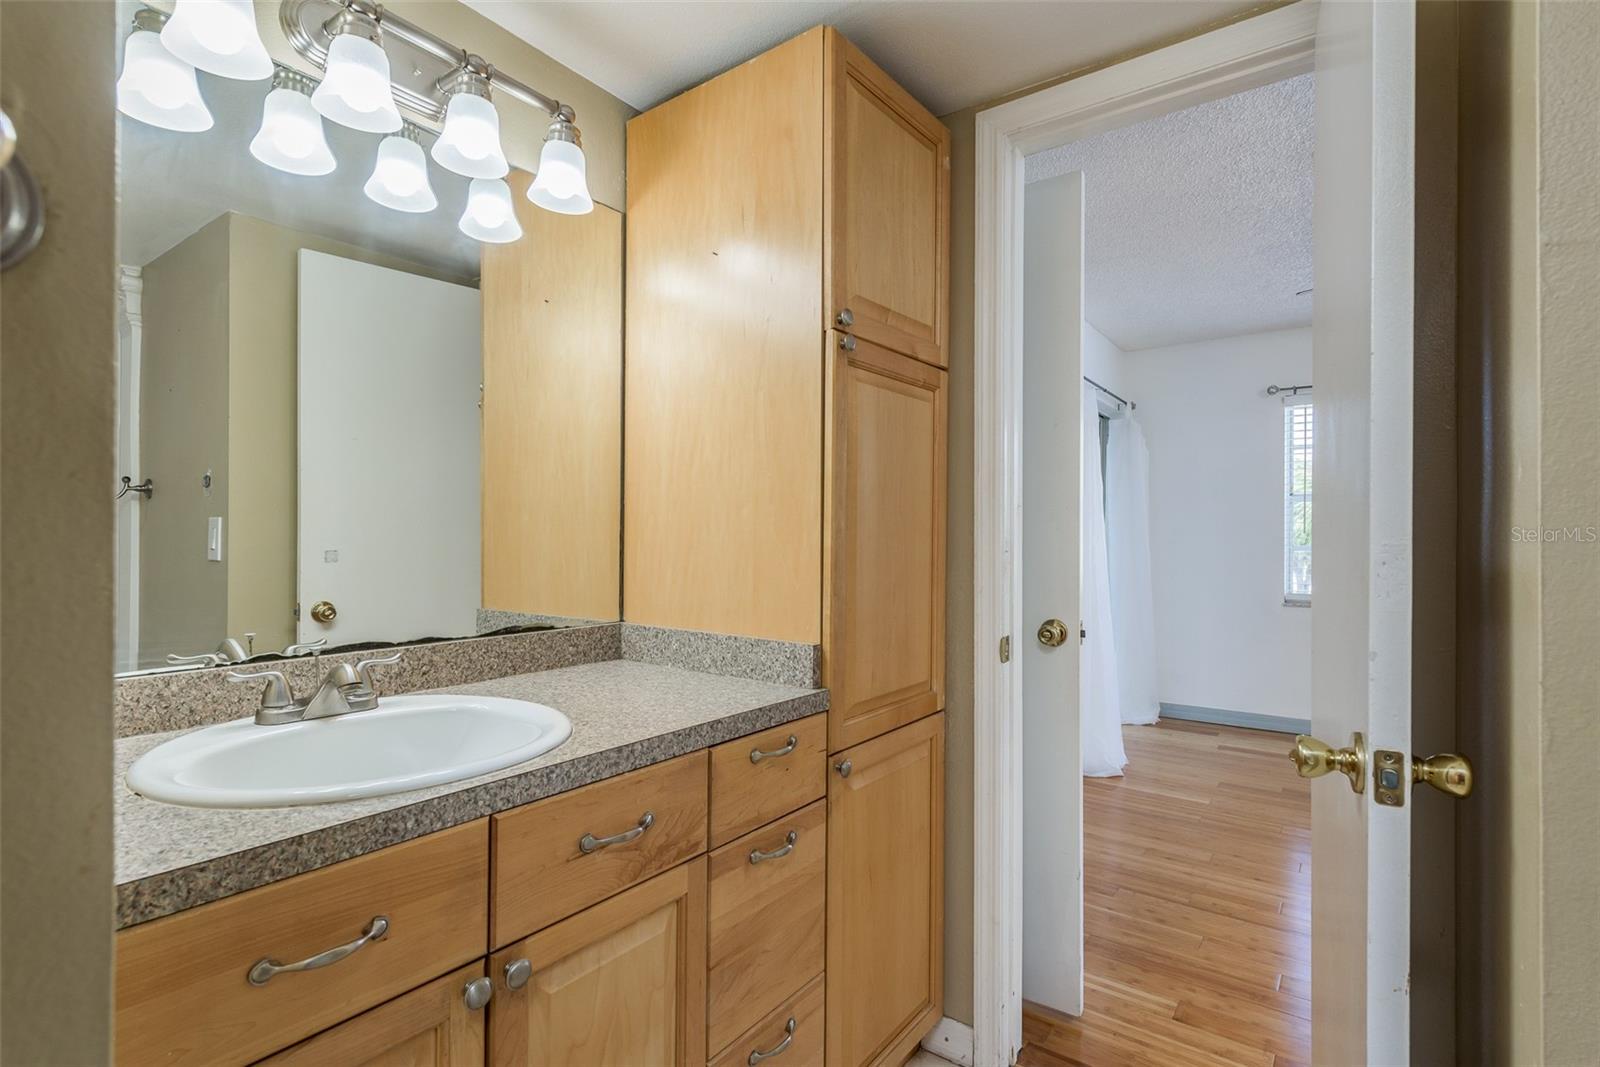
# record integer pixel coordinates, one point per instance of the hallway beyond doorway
(1197, 907)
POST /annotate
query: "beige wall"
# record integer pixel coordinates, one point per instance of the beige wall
(183, 422)
(57, 396)
(1529, 233)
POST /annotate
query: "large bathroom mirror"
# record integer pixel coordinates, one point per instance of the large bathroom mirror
(344, 419)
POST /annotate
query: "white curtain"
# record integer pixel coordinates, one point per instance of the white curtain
(1098, 690)
(1128, 549)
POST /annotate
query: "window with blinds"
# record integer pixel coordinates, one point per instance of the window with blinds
(1298, 433)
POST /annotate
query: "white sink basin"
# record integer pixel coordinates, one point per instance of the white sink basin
(406, 742)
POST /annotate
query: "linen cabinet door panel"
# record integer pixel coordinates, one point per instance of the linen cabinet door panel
(434, 1026)
(883, 623)
(621, 984)
(888, 209)
(886, 895)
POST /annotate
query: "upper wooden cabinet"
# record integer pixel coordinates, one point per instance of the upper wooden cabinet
(887, 202)
(762, 205)
(883, 619)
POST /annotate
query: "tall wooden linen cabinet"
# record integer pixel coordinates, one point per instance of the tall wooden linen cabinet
(785, 455)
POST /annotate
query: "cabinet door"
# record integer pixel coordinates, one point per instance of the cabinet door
(883, 618)
(431, 1026)
(886, 895)
(622, 984)
(887, 209)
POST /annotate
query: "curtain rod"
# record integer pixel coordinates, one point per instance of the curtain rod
(1128, 403)
(1292, 390)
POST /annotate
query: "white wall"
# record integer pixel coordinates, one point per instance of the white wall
(1102, 360)
(1224, 637)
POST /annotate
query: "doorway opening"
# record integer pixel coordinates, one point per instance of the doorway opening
(1175, 256)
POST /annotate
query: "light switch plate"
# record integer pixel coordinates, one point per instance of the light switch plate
(214, 539)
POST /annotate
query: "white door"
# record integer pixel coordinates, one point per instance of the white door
(1052, 444)
(389, 370)
(1361, 569)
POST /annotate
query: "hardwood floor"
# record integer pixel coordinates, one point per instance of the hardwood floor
(1197, 908)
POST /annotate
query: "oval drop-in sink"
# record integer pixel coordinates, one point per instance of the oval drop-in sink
(407, 742)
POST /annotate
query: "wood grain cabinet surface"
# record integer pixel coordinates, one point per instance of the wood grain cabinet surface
(758, 778)
(886, 895)
(883, 620)
(768, 893)
(888, 209)
(181, 982)
(432, 1026)
(790, 1036)
(620, 984)
(542, 872)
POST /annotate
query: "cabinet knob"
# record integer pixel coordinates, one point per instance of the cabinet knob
(844, 767)
(477, 993)
(517, 973)
(847, 343)
(846, 317)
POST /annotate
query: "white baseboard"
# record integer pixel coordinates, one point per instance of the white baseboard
(950, 1040)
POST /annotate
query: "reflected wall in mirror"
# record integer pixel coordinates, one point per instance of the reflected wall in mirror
(356, 424)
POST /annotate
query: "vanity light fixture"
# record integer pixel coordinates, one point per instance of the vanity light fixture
(218, 37)
(291, 137)
(562, 183)
(355, 89)
(156, 86)
(470, 143)
(490, 216)
(400, 177)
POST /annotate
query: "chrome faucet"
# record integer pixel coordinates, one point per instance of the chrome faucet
(344, 689)
(229, 651)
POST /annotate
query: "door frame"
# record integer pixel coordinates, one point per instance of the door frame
(1256, 51)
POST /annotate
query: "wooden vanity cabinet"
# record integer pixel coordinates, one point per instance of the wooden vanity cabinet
(619, 984)
(886, 895)
(432, 1026)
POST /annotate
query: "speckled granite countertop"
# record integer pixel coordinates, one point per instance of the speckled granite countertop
(625, 715)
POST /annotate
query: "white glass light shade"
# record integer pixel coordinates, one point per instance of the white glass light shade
(219, 37)
(355, 88)
(490, 215)
(400, 178)
(562, 184)
(470, 143)
(291, 137)
(159, 88)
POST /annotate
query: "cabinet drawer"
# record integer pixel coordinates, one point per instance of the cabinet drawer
(183, 996)
(768, 907)
(542, 872)
(758, 778)
(805, 1047)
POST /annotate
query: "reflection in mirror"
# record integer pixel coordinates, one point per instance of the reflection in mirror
(342, 419)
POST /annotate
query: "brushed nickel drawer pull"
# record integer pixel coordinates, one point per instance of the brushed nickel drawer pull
(756, 755)
(478, 993)
(757, 856)
(262, 972)
(776, 1050)
(589, 843)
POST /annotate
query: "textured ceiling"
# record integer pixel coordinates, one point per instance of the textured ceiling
(951, 54)
(1199, 222)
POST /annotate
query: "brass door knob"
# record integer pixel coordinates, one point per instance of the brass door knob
(324, 611)
(1052, 633)
(1446, 772)
(1313, 759)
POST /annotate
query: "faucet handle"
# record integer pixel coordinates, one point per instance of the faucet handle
(364, 669)
(204, 659)
(275, 694)
(300, 647)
